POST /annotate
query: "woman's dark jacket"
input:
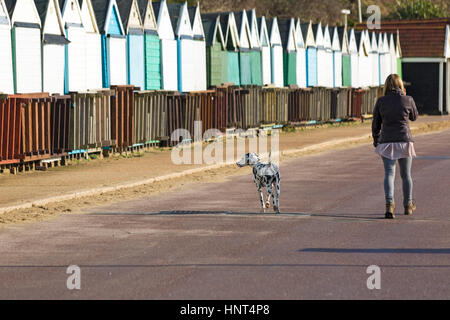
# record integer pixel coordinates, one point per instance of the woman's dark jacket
(390, 118)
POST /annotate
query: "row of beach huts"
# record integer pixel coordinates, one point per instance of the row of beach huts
(104, 76)
(62, 46)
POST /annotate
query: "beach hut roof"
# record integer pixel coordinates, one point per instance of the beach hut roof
(264, 38)
(352, 44)
(287, 33)
(103, 10)
(373, 42)
(336, 44)
(11, 7)
(240, 18)
(179, 16)
(360, 42)
(212, 27)
(299, 34)
(318, 34)
(326, 37)
(196, 21)
(147, 15)
(86, 9)
(343, 39)
(130, 14)
(174, 13)
(42, 8)
(163, 20)
(253, 26)
(308, 34)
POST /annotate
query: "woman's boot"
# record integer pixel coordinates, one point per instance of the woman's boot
(410, 208)
(390, 207)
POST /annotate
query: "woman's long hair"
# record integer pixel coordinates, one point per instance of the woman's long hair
(392, 83)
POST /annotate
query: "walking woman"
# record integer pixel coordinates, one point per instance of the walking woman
(393, 141)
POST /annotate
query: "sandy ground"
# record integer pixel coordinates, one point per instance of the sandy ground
(85, 175)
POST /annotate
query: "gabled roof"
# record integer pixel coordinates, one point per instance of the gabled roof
(224, 23)
(126, 9)
(299, 34)
(326, 37)
(191, 12)
(42, 8)
(419, 38)
(163, 21)
(352, 43)
(336, 44)
(274, 32)
(343, 39)
(228, 22)
(148, 15)
(360, 42)
(385, 42)
(196, 22)
(308, 34)
(156, 7)
(177, 13)
(87, 12)
(253, 26)
(263, 31)
(103, 11)
(287, 33)
(212, 28)
(174, 13)
(318, 34)
(373, 42)
(11, 6)
(243, 27)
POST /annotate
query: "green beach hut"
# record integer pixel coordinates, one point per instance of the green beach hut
(216, 54)
(152, 46)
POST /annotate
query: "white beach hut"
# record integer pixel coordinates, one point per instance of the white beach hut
(336, 46)
(93, 47)
(114, 42)
(76, 49)
(265, 51)
(199, 47)
(301, 56)
(385, 57)
(354, 58)
(179, 16)
(53, 46)
(374, 60)
(328, 58)
(276, 53)
(323, 70)
(169, 54)
(26, 45)
(364, 69)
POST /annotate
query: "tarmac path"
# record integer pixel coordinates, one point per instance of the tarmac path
(209, 241)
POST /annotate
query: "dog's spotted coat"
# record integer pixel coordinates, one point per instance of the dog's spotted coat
(265, 175)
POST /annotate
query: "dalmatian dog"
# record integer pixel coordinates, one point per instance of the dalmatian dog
(265, 175)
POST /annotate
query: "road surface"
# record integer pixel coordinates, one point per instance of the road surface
(208, 241)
